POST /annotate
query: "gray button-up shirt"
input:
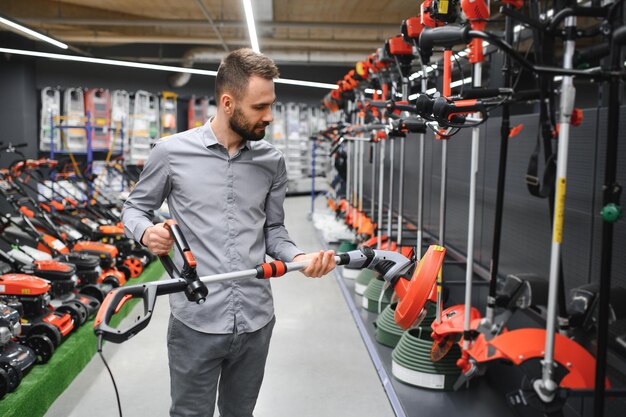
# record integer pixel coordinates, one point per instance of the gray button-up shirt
(230, 210)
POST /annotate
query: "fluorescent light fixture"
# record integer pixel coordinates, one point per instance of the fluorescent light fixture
(461, 82)
(413, 96)
(431, 91)
(463, 53)
(371, 91)
(306, 83)
(31, 32)
(142, 65)
(247, 7)
(558, 78)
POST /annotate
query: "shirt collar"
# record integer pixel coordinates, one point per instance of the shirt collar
(210, 139)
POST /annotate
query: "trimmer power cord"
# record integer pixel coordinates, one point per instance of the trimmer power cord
(117, 395)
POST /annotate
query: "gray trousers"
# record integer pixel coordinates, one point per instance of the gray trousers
(199, 360)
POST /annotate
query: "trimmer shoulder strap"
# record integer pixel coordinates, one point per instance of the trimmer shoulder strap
(543, 188)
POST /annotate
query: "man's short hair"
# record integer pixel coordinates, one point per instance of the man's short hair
(236, 69)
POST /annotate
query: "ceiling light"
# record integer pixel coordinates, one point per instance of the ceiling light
(30, 32)
(306, 83)
(247, 7)
(156, 67)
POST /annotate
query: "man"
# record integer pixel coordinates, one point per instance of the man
(225, 188)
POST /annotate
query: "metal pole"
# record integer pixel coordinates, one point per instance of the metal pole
(504, 146)
(361, 180)
(313, 149)
(405, 97)
(381, 187)
(420, 187)
(373, 149)
(447, 70)
(546, 386)
(611, 205)
(52, 135)
(469, 266)
(390, 207)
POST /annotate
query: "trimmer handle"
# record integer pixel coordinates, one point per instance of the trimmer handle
(390, 265)
(115, 299)
(112, 305)
(196, 290)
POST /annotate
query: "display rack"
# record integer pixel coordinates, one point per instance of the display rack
(89, 128)
(290, 132)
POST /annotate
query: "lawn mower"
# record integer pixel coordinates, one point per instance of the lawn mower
(63, 280)
(131, 258)
(15, 359)
(43, 328)
(100, 257)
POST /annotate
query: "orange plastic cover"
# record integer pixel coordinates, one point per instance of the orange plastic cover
(189, 258)
(22, 284)
(51, 265)
(27, 212)
(397, 46)
(111, 230)
(103, 308)
(452, 320)
(57, 205)
(414, 293)
(414, 27)
(477, 11)
(121, 278)
(54, 243)
(62, 321)
(523, 344)
(111, 250)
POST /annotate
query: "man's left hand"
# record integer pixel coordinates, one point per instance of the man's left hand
(321, 263)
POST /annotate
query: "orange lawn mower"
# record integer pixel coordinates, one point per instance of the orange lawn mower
(43, 327)
(130, 257)
(43, 246)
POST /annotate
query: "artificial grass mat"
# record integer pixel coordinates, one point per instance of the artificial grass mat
(44, 383)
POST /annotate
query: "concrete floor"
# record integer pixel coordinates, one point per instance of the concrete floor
(317, 366)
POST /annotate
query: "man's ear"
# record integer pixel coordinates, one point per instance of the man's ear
(227, 103)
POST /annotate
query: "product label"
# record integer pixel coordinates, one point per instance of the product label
(443, 6)
(417, 378)
(559, 210)
(2, 288)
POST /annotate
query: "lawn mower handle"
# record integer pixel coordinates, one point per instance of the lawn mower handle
(387, 263)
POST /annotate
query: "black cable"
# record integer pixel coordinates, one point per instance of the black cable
(117, 395)
(521, 69)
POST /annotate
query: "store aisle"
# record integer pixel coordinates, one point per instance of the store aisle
(317, 366)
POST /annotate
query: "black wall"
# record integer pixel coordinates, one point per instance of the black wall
(526, 234)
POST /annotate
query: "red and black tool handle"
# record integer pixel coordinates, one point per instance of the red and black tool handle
(195, 290)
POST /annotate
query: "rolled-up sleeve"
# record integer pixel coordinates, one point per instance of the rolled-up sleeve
(278, 244)
(149, 193)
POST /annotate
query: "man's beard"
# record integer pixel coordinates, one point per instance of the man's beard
(245, 129)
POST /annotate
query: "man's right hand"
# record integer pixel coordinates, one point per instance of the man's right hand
(157, 239)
